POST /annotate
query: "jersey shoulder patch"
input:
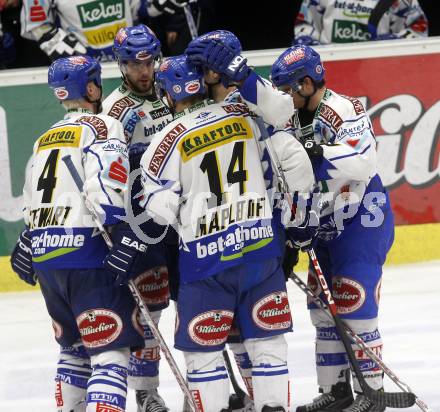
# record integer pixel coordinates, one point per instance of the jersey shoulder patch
(97, 124)
(119, 106)
(163, 149)
(239, 108)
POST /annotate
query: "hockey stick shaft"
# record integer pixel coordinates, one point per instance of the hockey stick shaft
(356, 339)
(237, 388)
(132, 286)
(190, 21)
(396, 400)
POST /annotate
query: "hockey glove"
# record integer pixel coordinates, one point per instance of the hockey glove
(290, 258)
(21, 259)
(220, 58)
(313, 149)
(166, 6)
(123, 257)
(304, 41)
(57, 43)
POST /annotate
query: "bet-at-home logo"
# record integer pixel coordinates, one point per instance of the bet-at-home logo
(100, 12)
(349, 32)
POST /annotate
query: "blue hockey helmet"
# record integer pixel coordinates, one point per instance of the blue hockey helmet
(296, 63)
(136, 43)
(69, 76)
(226, 37)
(179, 78)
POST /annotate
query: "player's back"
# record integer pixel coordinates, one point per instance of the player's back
(224, 212)
(60, 223)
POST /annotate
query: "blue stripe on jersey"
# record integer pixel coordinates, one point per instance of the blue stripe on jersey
(331, 359)
(327, 334)
(99, 175)
(270, 373)
(350, 154)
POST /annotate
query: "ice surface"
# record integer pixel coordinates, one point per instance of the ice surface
(409, 323)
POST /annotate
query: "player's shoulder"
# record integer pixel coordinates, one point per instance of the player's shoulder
(101, 125)
(118, 101)
(336, 108)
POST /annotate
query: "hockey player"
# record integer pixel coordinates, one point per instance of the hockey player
(202, 174)
(334, 21)
(134, 103)
(93, 312)
(72, 27)
(356, 224)
(221, 92)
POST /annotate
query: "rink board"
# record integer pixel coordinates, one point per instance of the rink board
(413, 243)
(390, 78)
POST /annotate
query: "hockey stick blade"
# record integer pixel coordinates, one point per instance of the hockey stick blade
(357, 340)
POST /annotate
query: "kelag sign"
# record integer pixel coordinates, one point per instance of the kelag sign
(401, 94)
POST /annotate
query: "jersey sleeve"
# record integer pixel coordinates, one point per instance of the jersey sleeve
(106, 169)
(36, 18)
(353, 155)
(309, 20)
(294, 162)
(161, 182)
(408, 20)
(275, 107)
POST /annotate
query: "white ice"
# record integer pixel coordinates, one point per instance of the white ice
(409, 323)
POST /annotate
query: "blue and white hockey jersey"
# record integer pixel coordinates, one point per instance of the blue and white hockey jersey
(63, 232)
(203, 175)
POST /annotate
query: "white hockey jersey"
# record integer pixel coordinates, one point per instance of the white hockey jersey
(94, 23)
(141, 116)
(345, 21)
(63, 232)
(203, 175)
(348, 169)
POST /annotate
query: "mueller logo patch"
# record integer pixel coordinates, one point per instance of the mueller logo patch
(153, 285)
(164, 147)
(327, 113)
(61, 93)
(98, 327)
(119, 106)
(294, 56)
(143, 55)
(272, 312)
(163, 111)
(348, 294)
(97, 124)
(211, 328)
(192, 87)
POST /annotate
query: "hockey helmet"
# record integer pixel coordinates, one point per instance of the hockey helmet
(69, 76)
(296, 63)
(224, 36)
(136, 43)
(179, 78)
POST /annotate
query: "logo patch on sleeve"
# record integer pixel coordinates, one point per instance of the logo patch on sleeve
(211, 328)
(99, 327)
(348, 294)
(272, 312)
(97, 124)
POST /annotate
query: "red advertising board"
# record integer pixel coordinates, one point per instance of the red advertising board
(402, 95)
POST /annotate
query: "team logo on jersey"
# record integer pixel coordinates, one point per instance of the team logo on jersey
(57, 329)
(211, 328)
(192, 87)
(272, 312)
(153, 285)
(348, 294)
(294, 56)
(118, 171)
(99, 327)
(61, 93)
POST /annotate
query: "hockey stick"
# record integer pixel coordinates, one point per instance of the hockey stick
(190, 21)
(389, 399)
(376, 14)
(241, 394)
(356, 339)
(133, 288)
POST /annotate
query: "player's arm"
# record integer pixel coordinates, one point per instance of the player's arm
(38, 23)
(106, 169)
(308, 25)
(352, 156)
(161, 184)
